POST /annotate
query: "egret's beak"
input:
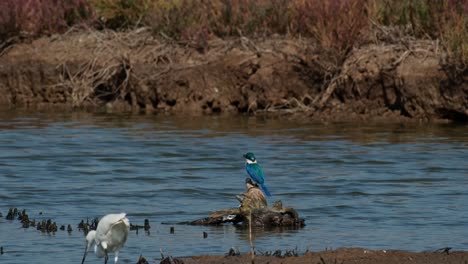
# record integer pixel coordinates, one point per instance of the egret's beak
(85, 253)
(84, 257)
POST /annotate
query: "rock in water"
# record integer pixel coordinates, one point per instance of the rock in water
(254, 205)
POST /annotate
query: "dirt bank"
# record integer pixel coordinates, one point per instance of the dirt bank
(343, 256)
(136, 72)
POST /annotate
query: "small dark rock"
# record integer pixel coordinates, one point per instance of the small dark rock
(47, 226)
(147, 225)
(26, 224)
(171, 260)
(85, 229)
(277, 253)
(87, 226)
(205, 234)
(53, 227)
(233, 252)
(445, 250)
(22, 215)
(81, 224)
(172, 230)
(94, 223)
(24, 219)
(291, 253)
(142, 260)
(62, 227)
(10, 215)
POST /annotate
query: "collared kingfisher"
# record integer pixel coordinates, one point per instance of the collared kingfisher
(255, 172)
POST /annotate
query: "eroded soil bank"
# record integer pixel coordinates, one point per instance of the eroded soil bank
(133, 71)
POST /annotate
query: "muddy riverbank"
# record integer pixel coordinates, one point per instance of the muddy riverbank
(133, 71)
(343, 255)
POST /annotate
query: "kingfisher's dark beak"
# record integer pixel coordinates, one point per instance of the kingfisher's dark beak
(243, 155)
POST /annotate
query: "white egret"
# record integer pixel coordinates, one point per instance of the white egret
(110, 236)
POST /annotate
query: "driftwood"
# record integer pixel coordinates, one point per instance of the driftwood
(254, 209)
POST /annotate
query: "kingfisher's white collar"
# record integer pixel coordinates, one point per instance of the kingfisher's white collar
(250, 162)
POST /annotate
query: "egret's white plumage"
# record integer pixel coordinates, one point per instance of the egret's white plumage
(110, 236)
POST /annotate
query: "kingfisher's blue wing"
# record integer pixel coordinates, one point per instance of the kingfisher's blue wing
(255, 172)
(265, 189)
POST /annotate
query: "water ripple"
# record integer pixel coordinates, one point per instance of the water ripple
(374, 186)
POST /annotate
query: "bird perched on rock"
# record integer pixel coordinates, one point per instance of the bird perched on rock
(109, 236)
(255, 172)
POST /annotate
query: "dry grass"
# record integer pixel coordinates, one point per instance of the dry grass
(445, 21)
(93, 81)
(337, 25)
(32, 17)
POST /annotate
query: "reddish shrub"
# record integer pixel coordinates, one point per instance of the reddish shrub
(259, 17)
(35, 17)
(121, 14)
(336, 24)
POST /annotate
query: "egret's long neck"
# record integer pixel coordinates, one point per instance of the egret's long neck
(90, 238)
(250, 162)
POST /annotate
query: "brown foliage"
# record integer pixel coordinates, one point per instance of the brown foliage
(32, 17)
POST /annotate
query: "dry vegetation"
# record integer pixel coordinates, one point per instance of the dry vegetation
(332, 28)
(337, 25)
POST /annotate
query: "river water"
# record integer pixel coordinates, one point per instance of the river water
(376, 186)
